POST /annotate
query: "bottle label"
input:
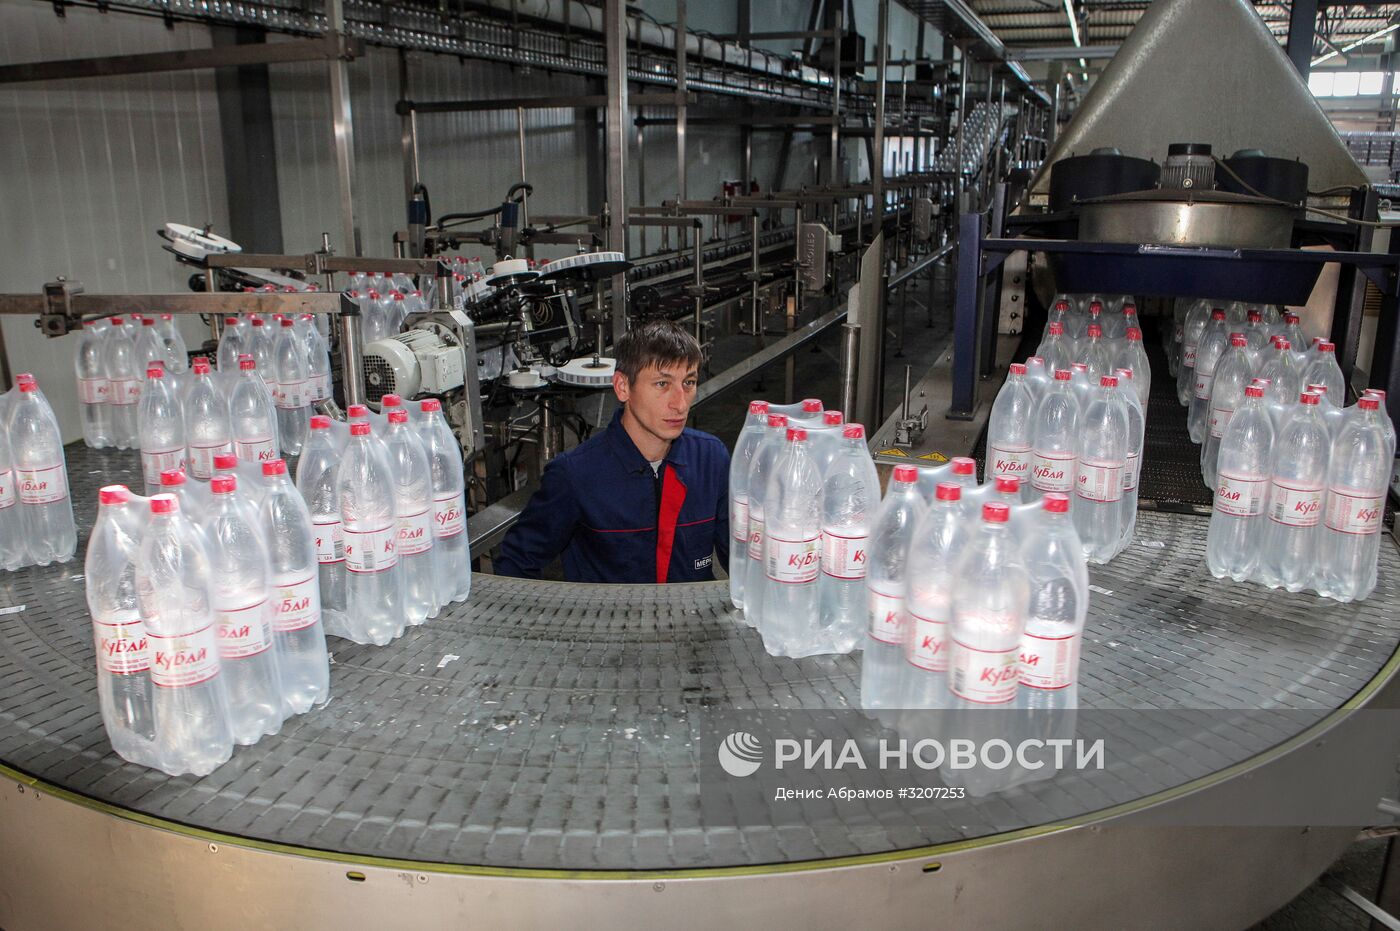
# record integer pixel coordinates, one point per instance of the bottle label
(449, 515)
(739, 517)
(183, 660)
(122, 648)
(1052, 472)
(202, 458)
(258, 449)
(320, 386)
(371, 550)
(1010, 461)
(1048, 662)
(1203, 383)
(1295, 506)
(1130, 472)
(793, 562)
(42, 486)
(1239, 496)
(416, 533)
(755, 536)
(1350, 511)
(886, 616)
(291, 395)
(7, 489)
(1100, 481)
(843, 555)
(330, 542)
(93, 390)
(1219, 420)
(928, 648)
(163, 460)
(1188, 355)
(987, 677)
(243, 631)
(296, 605)
(123, 391)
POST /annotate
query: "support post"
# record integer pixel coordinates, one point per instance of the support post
(680, 105)
(1347, 311)
(615, 27)
(877, 154)
(966, 311)
(343, 126)
(1302, 26)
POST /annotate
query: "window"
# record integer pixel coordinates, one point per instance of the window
(1320, 82)
(1371, 82)
(1346, 84)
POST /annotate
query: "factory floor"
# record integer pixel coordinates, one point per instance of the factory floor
(1319, 908)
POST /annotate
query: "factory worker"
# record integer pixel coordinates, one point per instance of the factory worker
(647, 499)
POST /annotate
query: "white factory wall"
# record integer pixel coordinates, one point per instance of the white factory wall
(92, 168)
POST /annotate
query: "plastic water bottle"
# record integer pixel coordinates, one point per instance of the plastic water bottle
(123, 384)
(190, 707)
(93, 391)
(13, 553)
(934, 547)
(791, 549)
(1095, 354)
(850, 499)
(1297, 484)
(1233, 374)
(119, 637)
(1134, 358)
(40, 476)
(293, 398)
(1322, 369)
(1010, 427)
(176, 352)
(1055, 349)
(318, 360)
(1037, 378)
(297, 625)
(740, 465)
(1386, 423)
(161, 426)
(450, 539)
(1080, 384)
(1059, 313)
(990, 605)
(251, 490)
(193, 497)
(1055, 439)
(1362, 457)
(261, 341)
(238, 590)
(1132, 469)
(1214, 342)
(1256, 334)
(1059, 601)
(1102, 456)
(206, 422)
(1279, 366)
(253, 416)
(1242, 479)
(232, 344)
(374, 591)
(413, 502)
(316, 481)
(374, 317)
(890, 534)
(149, 346)
(1191, 331)
(756, 579)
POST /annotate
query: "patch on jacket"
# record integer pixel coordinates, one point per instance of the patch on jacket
(702, 563)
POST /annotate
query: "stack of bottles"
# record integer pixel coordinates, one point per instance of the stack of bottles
(112, 356)
(387, 300)
(36, 508)
(1183, 340)
(206, 615)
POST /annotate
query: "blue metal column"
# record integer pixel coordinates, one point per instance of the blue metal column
(1385, 357)
(1350, 302)
(966, 315)
(1302, 25)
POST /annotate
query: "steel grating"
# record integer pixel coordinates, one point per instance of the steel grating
(564, 733)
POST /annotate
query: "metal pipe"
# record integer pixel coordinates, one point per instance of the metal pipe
(343, 125)
(755, 321)
(520, 142)
(352, 372)
(850, 360)
(877, 167)
(958, 140)
(699, 282)
(615, 143)
(680, 104)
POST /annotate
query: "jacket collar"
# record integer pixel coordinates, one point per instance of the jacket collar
(623, 447)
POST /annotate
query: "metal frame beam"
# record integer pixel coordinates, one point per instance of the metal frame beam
(1302, 27)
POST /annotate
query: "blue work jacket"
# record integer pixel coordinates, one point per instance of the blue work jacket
(614, 520)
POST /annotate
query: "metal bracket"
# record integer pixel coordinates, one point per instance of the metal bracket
(58, 317)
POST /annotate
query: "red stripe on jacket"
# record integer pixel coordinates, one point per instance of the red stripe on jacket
(672, 497)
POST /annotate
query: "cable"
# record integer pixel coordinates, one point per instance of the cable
(1378, 224)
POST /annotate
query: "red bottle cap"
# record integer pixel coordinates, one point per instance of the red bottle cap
(1008, 484)
(1320, 389)
(777, 420)
(1281, 343)
(1034, 360)
(357, 410)
(165, 504)
(796, 433)
(1237, 339)
(1254, 391)
(276, 466)
(1057, 329)
(1095, 330)
(1056, 502)
(113, 494)
(996, 513)
(246, 364)
(1079, 366)
(155, 370)
(148, 321)
(1134, 335)
(225, 462)
(172, 477)
(1368, 404)
(398, 415)
(906, 475)
(833, 418)
(390, 400)
(1018, 368)
(962, 465)
(811, 405)
(948, 491)
(1130, 308)
(1326, 347)
(288, 322)
(257, 321)
(320, 422)
(1063, 375)
(433, 405)
(1309, 397)
(28, 386)
(1062, 306)
(854, 431)
(223, 484)
(1108, 381)
(359, 429)
(1095, 307)
(1290, 319)
(200, 366)
(1124, 373)
(1254, 316)
(1217, 314)
(116, 321)
(758, 407)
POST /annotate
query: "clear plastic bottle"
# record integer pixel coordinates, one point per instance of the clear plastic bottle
(1059, 313)
(238, 590)
(934, 547)
(161, 427)
(251, 489)
(1356, 490)
(190, 706)
(1059, 601)
(13, 553)
(1191, 331)
(297, 626)
(40, 476)
(450, 539)
(1080, 384)
(374, 591)
(1132, 469)
(1214, 341)
(1037, 379)
(1102, 455)
(1095, 354)
(1133, 357)
(318, 359)
(791, 549)
(1383, 413)
(850, 499)
(253, 416)
(755, 579)
(93, 390)
(891, 531)
(413, 501)
(1055, 349)
(293, 389)
(123, 384)
(149, 345)
(1233, 374)
(261, 341)
(1256, 334)
(193, 496)
(206, 422)
(1297, 484)
(316, 481)
(232, 344)
(1280, 368)
(1322, 369)
(1055, 439)
(1242, 480)
(1010, 427)
(374, 317)
(739, 466)
(119, 637)
(990, 605)
(176, 352)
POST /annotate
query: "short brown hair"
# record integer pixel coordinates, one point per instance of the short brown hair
(657, 342)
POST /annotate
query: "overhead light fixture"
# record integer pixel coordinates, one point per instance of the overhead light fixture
(1073, 24)
(1347, 48)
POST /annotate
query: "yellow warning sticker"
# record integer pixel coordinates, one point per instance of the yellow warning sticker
(893, 452)
(935, 457)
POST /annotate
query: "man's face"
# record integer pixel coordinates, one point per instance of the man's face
(660, 397)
